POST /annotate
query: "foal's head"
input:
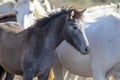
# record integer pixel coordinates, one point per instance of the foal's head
(73, 31)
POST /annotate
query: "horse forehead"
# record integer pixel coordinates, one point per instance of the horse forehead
(24, 8)
(77, 21)
(21, 7)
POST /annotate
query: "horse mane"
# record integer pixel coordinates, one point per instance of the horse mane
(42, 22)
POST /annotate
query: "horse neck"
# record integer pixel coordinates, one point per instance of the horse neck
(54, 34)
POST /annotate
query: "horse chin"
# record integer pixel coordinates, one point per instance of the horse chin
(83, 53)
(78, 48)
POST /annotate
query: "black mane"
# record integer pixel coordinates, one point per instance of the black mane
(42, 22)
(40, 27)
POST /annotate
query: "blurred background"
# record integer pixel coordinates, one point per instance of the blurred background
(81, 3)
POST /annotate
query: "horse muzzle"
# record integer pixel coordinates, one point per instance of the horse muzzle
(85, 51)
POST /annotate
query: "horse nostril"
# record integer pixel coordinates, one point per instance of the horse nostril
(87, 49)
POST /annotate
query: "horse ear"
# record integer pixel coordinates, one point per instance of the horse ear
(16, 0)
(43, 2)
(81, 12)
(71, 14)
(31, 0)
(118, 5)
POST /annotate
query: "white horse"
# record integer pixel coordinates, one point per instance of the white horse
(104, 58)
(7, 6)
(28, 11)
(24, 13)
(99, 11)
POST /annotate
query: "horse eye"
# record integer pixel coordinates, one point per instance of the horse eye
(74, 28)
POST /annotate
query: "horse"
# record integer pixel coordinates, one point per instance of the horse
(105, 10)
(7, 6)
(29, 7)
(12, 17)
(103, 59)
(11, 6)
(32, 10)
(36, 54)
(101, 11)
(8, 17)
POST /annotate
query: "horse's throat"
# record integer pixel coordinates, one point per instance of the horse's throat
(53, 40)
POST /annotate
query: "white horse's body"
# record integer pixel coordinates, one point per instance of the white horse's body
(95, 12)
(104, 58)
(72, 60)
